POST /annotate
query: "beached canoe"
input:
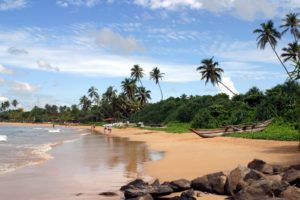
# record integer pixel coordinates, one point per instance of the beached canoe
(209, 133)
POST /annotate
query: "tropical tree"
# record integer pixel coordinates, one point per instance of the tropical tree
(129, 87)
(14, 103)
(93, 94)
(156, 75)
(85, 103)
(109, 94)
(269, 34)
(292, 52)
(143, 95)
(211, 72)
(292, 23)
(137, 73)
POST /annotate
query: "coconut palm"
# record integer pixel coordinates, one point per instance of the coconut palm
(129, 87)
(93, 94)
(156, 75)
(269, 34)
(292, 52)
(292, 23)
(212, 73)
(14, 103)
(143, 95)
(109, 94)
(137, 73)
(85, 103)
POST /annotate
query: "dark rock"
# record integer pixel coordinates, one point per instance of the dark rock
(138, 183)
(155, 183)
(296, 167)
(291, 193)
(292, 176)
(144, 197)
(135, 192)
(109, 194)
(278, 169)
(235, 180)
(261, 189)
(180, 185)
(261, 166)
(214, 183)
(188, 195)
(161, 190)
(253, 175)
(78, 194)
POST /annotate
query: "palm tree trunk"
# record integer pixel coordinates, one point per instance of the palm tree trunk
(162, 97)
(141, 82)
(227, 88)
(280, 60)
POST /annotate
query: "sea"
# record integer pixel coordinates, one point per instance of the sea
(67, 163)
(21, 146)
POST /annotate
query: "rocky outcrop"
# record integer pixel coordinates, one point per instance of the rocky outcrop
(258, 181)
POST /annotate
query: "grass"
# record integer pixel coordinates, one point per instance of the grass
(173, 127)
(276, 131)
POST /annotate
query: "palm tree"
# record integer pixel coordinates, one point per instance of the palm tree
(156, 75)
(210, 72)
(137, 73)
(269, 34)
(143, 95)
(93, 94)
(129, 87)
(85, 103)
(292, 23)
(14, 103)
(292, 52)
(109, 94)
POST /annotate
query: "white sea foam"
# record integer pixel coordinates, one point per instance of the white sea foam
(54, 131)
(3, 138)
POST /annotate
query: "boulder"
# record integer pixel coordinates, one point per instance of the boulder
(292, 176)
(261, 189)
(261, 166)
(161, 190)
(135, 192)
(144, 197)
(235, 180)
(187, 195)
(296, 167)
(291, 193)
(213, 183)
(138, 183)
(180, 185)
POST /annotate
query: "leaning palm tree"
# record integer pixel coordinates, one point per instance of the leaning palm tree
(129, 87)
(93, 94)
(15, 103)
(269, 34)
(137, 73)
(292, 23)
(143, 95)
(156, 75)
(211, 72)
(292, 52)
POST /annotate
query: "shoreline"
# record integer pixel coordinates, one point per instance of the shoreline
(189, 156)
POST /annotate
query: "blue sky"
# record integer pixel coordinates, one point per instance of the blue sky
(52, 51)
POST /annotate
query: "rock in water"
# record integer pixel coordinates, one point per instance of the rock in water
(109, 194)
(138, 183)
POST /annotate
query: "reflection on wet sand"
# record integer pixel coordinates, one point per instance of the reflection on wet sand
(91, 165)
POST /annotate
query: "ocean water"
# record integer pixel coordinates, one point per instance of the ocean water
(23, 146)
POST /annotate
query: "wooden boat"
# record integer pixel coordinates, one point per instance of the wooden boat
(209, 133)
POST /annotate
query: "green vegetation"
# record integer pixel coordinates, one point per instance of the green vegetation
(276, 131)
(173, 127)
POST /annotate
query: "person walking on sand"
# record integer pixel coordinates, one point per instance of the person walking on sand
(109, 128)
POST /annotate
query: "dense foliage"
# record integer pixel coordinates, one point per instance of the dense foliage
(281, 101)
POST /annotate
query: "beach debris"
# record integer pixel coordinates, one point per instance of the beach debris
(108, 194)
(78, 194)
(258, 181)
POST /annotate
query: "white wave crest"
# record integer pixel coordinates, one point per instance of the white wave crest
(3, 138)
(54, 131)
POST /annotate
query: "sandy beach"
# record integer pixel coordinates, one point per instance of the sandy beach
(189, 156)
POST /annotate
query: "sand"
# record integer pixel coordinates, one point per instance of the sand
(189, 156)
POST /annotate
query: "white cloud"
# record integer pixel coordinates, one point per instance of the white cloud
(2, 99)
(45, 65)
(226, 80)
(116, 42)
(22, 87)
(87, 3)
(4, 70)
(243, 9)
(12, 4)
(17, 51)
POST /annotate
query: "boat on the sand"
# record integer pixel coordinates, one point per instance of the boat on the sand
(209, 133)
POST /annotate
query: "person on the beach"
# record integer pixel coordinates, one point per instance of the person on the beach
(109, 128)
(53, 125)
